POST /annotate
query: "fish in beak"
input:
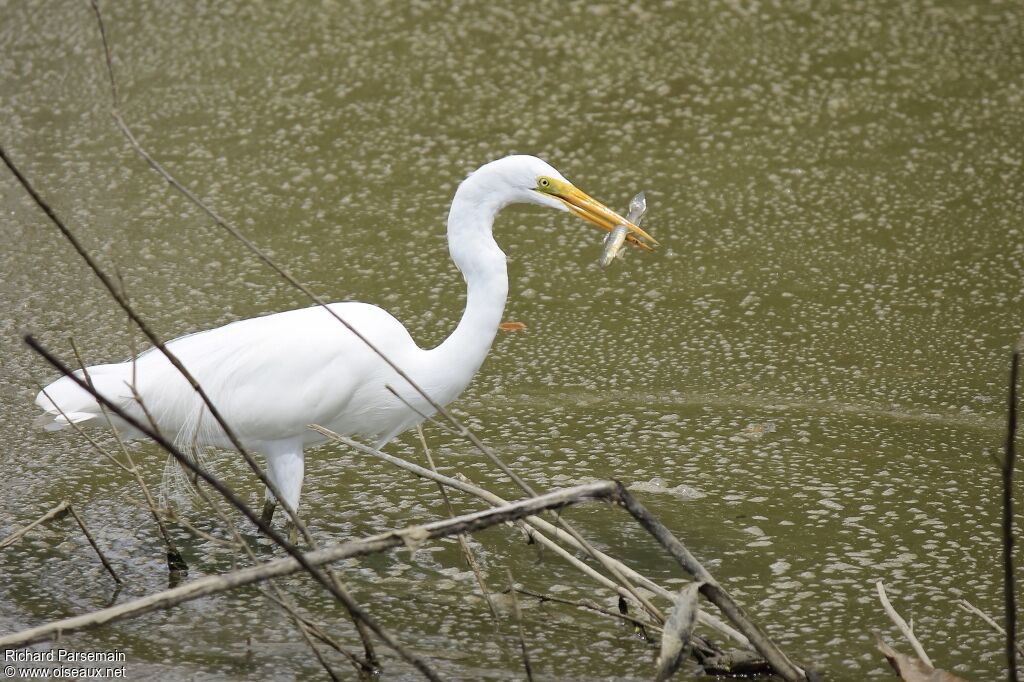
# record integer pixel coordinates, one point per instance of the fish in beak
(593, 211)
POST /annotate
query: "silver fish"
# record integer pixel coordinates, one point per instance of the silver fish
(617, 237)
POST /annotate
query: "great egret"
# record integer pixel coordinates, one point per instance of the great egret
(271, 376)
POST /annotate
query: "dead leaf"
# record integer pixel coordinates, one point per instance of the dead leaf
(511, 326)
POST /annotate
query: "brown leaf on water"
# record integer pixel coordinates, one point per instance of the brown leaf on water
(511, 326)
(912, 668)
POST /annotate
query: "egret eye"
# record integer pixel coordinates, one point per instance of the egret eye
(544, 182)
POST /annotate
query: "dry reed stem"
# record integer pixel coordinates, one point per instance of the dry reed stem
(20, 533)
(904, 628)
(201, 587)
(96, 547)
(590, 607)
(59, 510)
(971, 608)
(1009, 460)
(314, 629)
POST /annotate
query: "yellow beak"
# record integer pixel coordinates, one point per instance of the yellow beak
(593, 211)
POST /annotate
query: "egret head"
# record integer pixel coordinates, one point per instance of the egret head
(534, 181)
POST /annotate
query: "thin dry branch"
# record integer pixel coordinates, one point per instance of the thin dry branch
(20, 533)
(520, 631)
(1009, 461)
(639, 622)
(989, 620)
(314, 629)
(904, 628)
(64, 507)
(96, 547)
(214, 584)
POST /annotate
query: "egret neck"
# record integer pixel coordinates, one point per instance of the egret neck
(482, 264)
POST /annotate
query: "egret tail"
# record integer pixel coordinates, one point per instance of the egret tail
(64, 402)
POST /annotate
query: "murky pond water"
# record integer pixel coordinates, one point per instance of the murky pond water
(818, 353)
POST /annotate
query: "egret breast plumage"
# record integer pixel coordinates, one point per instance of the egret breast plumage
(272, 376)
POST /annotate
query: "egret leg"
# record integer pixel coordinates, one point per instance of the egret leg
(269, 506)
(285, 470)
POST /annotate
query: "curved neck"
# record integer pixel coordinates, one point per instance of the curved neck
(482, 264)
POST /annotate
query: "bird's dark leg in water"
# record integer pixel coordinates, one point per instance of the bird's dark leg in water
(268, 511)
(269, 507)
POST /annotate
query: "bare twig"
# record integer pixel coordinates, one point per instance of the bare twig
(971, 608)
(64, 507)
(201, 587)
(590, 607)
(427, 418)
(907, 631)
(517, 614)
(314, 629)
(92, 541)
(20, 533)
(1009, 460)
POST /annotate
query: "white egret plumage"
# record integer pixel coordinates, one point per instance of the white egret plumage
(272, 376)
